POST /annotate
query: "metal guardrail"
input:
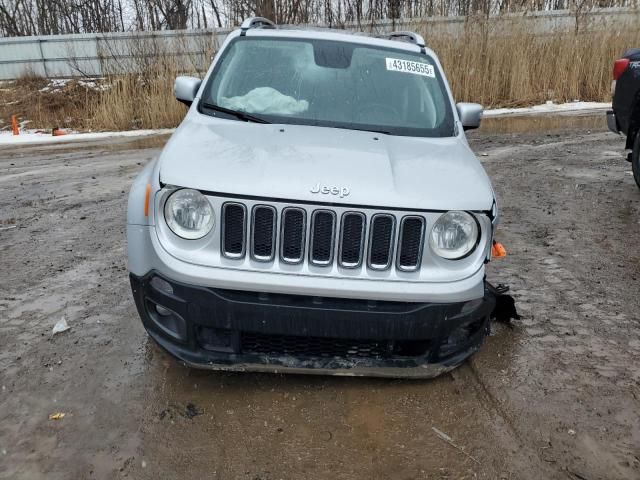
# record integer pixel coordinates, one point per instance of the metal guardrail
(122, 52)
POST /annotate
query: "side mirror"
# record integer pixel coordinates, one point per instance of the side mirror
(470, 115)
(186, 89)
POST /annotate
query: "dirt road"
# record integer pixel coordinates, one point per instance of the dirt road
(555, 397)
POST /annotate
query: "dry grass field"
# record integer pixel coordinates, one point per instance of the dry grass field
(509, 67)
(517, 67)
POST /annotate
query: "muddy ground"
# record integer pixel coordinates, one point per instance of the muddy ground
(557, 396)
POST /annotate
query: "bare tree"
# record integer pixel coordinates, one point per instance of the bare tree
(52, 17)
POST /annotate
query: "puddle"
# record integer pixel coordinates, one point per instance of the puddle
(150, 141)
(544, 123)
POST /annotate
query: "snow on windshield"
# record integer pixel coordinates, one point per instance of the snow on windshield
(265, 100)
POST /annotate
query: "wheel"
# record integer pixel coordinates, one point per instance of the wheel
(635, 159)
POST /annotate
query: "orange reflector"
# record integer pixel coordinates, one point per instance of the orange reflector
(498, 250)
(147, 196)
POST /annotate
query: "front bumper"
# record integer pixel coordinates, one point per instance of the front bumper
(246, 331)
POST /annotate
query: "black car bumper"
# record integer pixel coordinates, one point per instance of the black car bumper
(234, 330)
(612, 122)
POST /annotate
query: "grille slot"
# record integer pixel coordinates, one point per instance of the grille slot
(292, 237)
(325, 347)
(323, 226)
(410, 242)
(381, 241)
(352, 239)
(234, 230)
(263, 233)
(312, 346)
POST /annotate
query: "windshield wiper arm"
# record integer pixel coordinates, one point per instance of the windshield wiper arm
(247, 117)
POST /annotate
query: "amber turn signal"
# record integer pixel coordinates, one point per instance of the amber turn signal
(147, 196)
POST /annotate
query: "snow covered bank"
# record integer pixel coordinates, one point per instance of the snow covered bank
(31, 136)
(549, 108)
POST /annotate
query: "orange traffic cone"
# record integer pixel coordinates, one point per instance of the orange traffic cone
(498, 250)
(56, 132)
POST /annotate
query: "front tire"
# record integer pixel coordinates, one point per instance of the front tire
(635, 159)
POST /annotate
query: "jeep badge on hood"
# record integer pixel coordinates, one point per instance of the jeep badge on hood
(333, 190)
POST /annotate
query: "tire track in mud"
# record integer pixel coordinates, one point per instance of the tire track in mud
(66, 258)
(473, 375)
(503, 424)
(563, 303)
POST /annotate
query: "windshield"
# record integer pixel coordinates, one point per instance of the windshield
(330, 83)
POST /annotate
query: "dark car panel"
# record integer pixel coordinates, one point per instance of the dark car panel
(626, 98)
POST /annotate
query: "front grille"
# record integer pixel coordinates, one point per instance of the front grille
(352, 239)
(263, 233)
(233, 229)
(270, 231)
(410, 243)
(381, 241)
(323, 225)
(293, 235)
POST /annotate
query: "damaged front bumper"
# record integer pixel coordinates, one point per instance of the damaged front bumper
(247, 331)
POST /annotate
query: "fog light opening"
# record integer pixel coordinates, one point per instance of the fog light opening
(162, 285)
(164, 312)
(168, 321)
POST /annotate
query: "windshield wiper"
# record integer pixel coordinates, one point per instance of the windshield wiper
(372, 130)
(247, 117)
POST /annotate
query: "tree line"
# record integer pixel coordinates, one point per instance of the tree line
(53, 17)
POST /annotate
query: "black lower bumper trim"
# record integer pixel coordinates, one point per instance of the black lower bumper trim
(234, 330)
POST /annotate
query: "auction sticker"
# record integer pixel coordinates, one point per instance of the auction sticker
(407, 66)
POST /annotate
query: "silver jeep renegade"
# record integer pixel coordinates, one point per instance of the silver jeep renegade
(318, 210)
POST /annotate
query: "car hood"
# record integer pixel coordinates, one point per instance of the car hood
(318, 164)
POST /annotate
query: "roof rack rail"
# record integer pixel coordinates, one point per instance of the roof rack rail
(406, 36)
(256, 22)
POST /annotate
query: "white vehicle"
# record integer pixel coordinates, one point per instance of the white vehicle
(318, 210)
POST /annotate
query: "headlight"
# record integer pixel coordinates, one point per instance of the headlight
(188, 214)
(454, 235)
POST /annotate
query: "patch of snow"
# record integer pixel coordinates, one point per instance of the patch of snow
(549, 108)
(94, 84)
(59, 82)
(34, 136)
(55, 85)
